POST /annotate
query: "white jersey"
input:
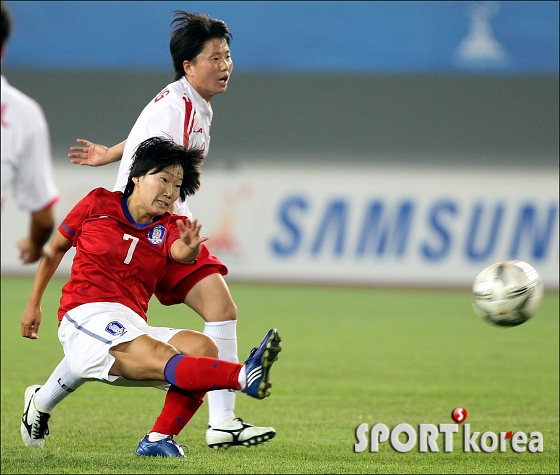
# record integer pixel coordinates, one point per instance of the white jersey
(179, 112)
(26, 152)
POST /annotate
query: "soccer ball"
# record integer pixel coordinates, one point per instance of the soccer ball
(507, 293)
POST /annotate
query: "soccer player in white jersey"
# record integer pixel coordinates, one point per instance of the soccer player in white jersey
(125, 241)
(26, 159)
(202, 61)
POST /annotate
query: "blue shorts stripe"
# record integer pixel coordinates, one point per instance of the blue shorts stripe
(87, 332)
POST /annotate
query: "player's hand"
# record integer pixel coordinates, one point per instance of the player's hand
(93, 155)
(190, 233)
(187, 248)
(28, 253)
(30, 322)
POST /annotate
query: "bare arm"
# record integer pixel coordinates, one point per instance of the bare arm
(42, 224)
(186, 248)
(95, 155)
(32, 315)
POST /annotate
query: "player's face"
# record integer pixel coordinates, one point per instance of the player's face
(210, 71)
(154, 194)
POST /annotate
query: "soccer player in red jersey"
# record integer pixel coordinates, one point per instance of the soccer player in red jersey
(125, 242)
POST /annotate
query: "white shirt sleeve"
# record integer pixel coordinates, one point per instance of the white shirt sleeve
(26, 152)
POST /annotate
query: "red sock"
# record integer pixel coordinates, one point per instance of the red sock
(178, 409)
(202, 373)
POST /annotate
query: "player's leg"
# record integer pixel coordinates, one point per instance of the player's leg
(185, 371)
(190, 377)
(145, 358)
(180, 406)
(203, 289)
(210, 298)
(40, 402)
(109, 342)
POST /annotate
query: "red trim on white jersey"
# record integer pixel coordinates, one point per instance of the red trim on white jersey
(190, 115)
(51, 204)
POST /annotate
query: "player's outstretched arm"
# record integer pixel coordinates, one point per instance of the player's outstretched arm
(95, 155)
(32, 315)
(186, 248)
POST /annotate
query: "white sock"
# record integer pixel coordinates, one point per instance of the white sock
(60, 384)
(242, 378)
(156, 436)
(221, 403)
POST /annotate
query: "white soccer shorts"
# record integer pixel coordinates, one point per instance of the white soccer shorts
(89, 331)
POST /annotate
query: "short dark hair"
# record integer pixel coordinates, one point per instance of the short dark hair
(5, 23)
(191, 31)
(157, 153)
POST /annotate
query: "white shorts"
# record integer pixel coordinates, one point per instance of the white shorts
(89, 331)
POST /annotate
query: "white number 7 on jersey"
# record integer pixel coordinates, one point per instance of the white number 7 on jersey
(135, 240)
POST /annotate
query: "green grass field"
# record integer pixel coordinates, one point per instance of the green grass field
(350, 355)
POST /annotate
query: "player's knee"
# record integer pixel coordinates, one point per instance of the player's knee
(224, 312)
(227, 311)
(193, 343)
(164, 351)
(230, 312)
(208, 347)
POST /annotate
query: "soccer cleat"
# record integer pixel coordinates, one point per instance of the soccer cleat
(34, 424)
(236, 432)
(162, 448)
(258, 364)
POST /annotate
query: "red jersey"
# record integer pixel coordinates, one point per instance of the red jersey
(117, 259)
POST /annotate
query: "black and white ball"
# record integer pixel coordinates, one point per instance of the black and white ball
(507, 293)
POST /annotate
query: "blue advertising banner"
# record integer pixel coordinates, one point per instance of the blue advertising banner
(380, 37)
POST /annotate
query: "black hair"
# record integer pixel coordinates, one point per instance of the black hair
(157, 153)
(191, 31)
(5, 24)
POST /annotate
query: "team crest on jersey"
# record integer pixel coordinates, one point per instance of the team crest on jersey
(156, 234)
(115, 329)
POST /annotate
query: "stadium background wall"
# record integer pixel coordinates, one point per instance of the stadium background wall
(446, 120)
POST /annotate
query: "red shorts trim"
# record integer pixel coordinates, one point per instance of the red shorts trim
(179, 279)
